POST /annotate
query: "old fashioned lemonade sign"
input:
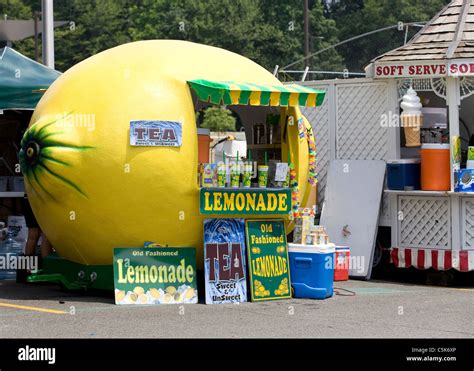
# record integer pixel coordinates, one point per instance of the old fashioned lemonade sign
(155, 275)
(221, 201)
(268, 260)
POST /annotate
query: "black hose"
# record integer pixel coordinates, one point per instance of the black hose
(220, 141)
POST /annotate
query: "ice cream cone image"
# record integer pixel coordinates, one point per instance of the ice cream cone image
(412, 127)
(411, 118)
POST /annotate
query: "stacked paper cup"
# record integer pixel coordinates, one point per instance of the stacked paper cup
(412, 118)
(470, 157)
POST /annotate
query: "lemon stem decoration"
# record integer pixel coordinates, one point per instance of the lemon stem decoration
(35, 154)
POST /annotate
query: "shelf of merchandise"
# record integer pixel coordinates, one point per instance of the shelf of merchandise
(429, 193)
(418, 192)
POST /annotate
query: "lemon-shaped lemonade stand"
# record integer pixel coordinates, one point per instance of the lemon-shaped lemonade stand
(91, 190)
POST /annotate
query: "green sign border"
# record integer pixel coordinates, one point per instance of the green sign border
(276, 191)
(249, 258)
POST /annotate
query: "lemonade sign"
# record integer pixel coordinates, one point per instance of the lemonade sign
(155, 275)
(218, 201)
(268, 260)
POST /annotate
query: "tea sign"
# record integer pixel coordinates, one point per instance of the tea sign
(268, 260)
(224, 261)
(155, 133)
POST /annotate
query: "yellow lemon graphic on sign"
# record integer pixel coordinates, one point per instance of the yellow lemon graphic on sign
(155, 294)
(138, 290)
(170, 290)
(256, 250)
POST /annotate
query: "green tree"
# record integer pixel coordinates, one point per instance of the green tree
(14, 9)
(218, 119)
(223, 23)
(282, 35)
(324, 34)
(268, 31)
(360, 16)
(96, 26)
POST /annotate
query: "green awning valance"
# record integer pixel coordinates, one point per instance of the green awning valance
(233, 93)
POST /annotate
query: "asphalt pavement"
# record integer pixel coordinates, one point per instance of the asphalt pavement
(359, 309)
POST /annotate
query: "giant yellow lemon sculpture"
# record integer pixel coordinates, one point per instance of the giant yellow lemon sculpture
(89, 189)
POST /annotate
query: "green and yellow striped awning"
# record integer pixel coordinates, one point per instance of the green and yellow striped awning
(229, 93)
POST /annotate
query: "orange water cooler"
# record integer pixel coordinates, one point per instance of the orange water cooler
(435, 167)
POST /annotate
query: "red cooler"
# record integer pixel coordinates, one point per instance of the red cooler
(341, 261)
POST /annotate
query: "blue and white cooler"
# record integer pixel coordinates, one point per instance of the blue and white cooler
(404, 174)
(312, 270)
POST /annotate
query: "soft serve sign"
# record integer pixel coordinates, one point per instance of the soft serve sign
(452, 68)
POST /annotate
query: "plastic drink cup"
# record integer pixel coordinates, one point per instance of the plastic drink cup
(221, 176)
(234, 176)
(470, 153)
(262, 176)
(470, 158)
(247, 175)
